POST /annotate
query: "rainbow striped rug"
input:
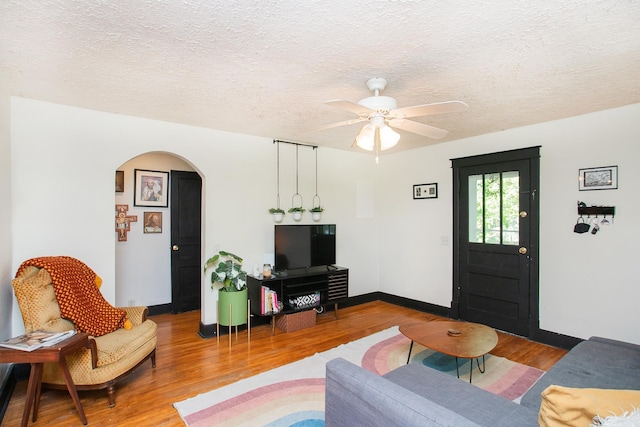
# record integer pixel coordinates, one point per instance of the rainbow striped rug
(293, 395)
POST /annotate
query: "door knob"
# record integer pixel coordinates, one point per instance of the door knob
(175, 247)
(523, 214)
(522, 250)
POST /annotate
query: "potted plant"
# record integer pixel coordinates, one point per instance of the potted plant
(277, 213)
(296, 212)
(316, 212)
(232, 296)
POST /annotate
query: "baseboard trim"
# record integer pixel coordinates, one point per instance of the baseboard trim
(555, 339)
(159, 309)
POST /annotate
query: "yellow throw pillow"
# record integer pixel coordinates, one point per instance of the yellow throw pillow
(565, 406)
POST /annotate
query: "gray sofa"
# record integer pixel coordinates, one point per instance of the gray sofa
(415, 395)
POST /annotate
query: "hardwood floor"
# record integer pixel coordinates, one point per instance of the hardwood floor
(188, 365)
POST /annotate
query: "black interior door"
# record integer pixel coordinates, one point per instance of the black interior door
(186, 272)
(496, 229)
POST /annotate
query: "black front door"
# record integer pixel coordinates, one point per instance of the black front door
(186, 271)
(496, 240)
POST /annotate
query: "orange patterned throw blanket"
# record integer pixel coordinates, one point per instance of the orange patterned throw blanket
(78, 296)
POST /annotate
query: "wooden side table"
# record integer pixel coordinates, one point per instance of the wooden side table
(39, 356)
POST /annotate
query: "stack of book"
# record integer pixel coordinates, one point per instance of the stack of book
(36, 339)
(269, 300)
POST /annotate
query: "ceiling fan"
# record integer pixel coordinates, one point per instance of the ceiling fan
(382, 114)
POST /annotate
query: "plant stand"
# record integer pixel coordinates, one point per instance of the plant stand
(228, 319)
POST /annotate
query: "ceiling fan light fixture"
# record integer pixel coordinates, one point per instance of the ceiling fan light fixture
(366, 138)
(382, 111)
(388, 138)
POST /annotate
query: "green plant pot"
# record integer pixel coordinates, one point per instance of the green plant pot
(238, 302)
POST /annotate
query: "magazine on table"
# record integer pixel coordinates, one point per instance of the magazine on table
(36, 339)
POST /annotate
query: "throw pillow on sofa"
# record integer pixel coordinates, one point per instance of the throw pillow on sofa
(565, 406)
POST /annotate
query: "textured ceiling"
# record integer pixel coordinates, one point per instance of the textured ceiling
(266, 67)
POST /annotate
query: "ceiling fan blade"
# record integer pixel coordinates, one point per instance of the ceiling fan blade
(350, 106)
(419, 128)
(429, 109)
(343, 123)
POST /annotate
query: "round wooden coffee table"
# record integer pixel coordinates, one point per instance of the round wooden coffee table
(458, 339)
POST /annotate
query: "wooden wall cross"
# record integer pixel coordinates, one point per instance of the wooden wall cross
(122, 222)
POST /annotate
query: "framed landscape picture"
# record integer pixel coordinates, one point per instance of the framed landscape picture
(600, 178)
(151, 188)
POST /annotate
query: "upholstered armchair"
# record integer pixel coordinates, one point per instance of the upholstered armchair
(111, 356)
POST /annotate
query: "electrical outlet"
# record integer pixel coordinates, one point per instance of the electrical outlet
(444, 240)
(132, 303)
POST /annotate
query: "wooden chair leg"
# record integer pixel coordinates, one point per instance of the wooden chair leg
(153, 359)
(111, 394)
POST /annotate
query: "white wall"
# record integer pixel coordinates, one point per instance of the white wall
(588, 284)
(63, 161)
(6, 271)
(6, 291)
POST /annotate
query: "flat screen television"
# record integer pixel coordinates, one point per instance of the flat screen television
(304, 246)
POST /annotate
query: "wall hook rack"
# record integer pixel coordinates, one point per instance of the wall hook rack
(583, 209)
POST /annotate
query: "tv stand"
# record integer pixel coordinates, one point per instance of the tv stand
(301, 289)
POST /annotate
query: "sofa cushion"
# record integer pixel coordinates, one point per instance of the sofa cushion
(590, 364)
(475, 404)
(566, 406)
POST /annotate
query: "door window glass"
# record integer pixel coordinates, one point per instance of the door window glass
(494, 204)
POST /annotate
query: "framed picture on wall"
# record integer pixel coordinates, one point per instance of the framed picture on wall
(601, 178)
(150, 188)
(119, 181)
(153, 222)
(425, 191)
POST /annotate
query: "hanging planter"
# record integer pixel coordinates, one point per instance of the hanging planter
(316, 213)
(296, 209)
(316, 210)
(278, 214)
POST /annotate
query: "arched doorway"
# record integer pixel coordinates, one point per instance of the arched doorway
(143, 262)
